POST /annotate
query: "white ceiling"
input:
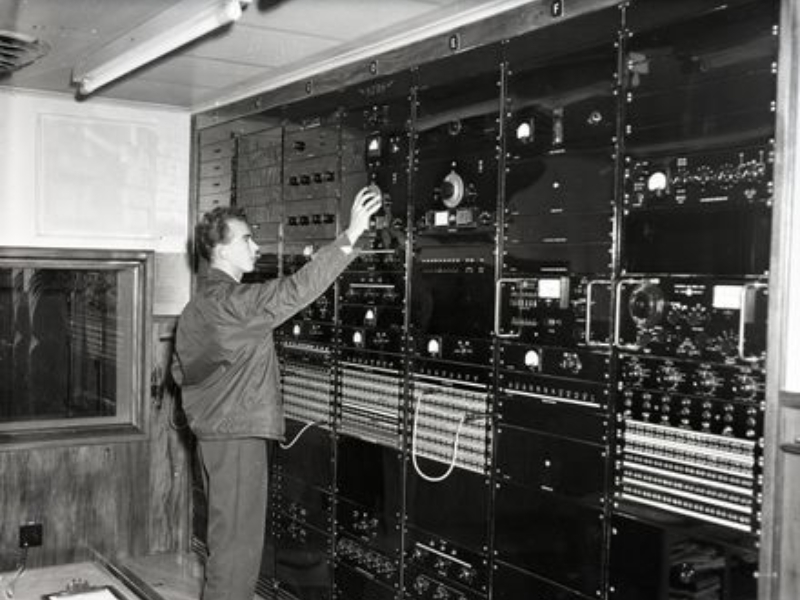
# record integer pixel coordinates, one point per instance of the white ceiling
(275, 42)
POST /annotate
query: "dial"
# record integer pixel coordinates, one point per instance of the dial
(634, 373)
(745, 385)
(452, 190)
(646, 305)
(670, 376)
(706, 381)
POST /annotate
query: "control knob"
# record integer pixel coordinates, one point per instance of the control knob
(532, 360)
(670, 377)
(441, 593)
(358, 338)
(646, 305)
(440, 566)
(571, 363)
(466, 574)
(706, 381)
(657, 182)
(421, 585)
(634, 373)
(434, 347)
(744, 386)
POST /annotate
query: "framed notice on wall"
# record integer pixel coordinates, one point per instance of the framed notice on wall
(96, 177)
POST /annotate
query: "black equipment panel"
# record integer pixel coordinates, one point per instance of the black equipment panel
(555, 310)
(452, 305)
(561, 541)
(302, 558)
(351, 582)
(511, 583)
(718, 319)
(559, 213)
(301, 502)
(648, 561)
(308, 459)
(438, 508)
(553, 464)
(543, 374)
(704, 82)
(456, 154)
(691, 304)
(435, 567)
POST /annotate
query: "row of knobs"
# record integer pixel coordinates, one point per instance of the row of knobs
(369, 559)
(422, 585)
(443, 567)
(703, 381)
(304, 220)
(308, 179)
(663, 410)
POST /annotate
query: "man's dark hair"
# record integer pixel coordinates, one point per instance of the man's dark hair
(213, 228)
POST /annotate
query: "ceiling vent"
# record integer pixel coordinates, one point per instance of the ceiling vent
(18, 50)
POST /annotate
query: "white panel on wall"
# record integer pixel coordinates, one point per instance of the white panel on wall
(96, 177)
(93, 174)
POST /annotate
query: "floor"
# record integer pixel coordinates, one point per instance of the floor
(35, 584)
(170, 576)
(158, 577)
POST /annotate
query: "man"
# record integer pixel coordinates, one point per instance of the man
(226, 365)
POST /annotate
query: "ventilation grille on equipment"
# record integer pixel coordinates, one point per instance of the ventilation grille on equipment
(18, 50)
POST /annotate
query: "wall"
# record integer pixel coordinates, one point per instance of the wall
(99, 175)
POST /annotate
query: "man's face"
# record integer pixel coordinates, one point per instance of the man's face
(240, 251)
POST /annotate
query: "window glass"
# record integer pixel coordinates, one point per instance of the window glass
(71, 343)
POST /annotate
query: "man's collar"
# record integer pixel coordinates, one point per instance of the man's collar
(217, 274)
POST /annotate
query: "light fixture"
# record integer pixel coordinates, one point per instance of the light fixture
(176, 26)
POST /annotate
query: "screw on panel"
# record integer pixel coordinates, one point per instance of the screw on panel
(454, 42)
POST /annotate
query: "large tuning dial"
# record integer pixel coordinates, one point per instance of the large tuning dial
(646, 305)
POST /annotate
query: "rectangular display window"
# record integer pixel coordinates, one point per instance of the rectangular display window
(73, 342)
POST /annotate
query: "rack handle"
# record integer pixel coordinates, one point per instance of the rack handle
(618, 312)
(497, 303)
(746, 288)
(587, 336)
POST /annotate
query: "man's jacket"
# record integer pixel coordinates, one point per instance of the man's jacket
(225, 360)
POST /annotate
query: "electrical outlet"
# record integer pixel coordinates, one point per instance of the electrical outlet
(30, 535)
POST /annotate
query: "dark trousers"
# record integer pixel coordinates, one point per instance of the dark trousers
(236, 489)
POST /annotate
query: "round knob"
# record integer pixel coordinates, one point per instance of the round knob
(634, 373)
(452, 190)
(744, 386)
(421, 584)
(447, 190)
(670, 377)
(657, 182)
(525, 131)
(706, 381)
(466, 574)
(696, 316)
(532, 360)
(571, 362)
(646, 305)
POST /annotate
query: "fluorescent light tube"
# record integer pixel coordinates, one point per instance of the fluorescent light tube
(180, 24)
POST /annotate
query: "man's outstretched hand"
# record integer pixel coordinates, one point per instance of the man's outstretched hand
(367, 202)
